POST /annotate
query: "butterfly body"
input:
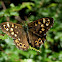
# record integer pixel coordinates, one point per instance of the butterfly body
(36, 32)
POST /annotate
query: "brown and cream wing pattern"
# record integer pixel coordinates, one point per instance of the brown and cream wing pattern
(41, 26)
(17, 32)
(37, 31)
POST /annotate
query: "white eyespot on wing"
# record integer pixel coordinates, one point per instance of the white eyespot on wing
(15, 35)
(42, 29)
(47, 24)
(42, 25)
(4, 25)
(7, 29)
(11, 29)
(35, 24)
(19, 39)
(12, 25)
(17, 32)
(8, 24)
(15, 26)
(40, 32)
(39, 22)
(49, 20)
(12, 33)
(44, 20)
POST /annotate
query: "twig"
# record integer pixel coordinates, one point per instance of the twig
(4, 7)
(19, 19)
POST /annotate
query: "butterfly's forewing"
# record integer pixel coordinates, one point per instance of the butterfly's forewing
(37, 30)
(17, 33)
(40, 26)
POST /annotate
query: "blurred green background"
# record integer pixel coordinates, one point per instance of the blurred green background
(17, 11)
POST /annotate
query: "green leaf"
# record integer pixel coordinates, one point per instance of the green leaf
(4, 37)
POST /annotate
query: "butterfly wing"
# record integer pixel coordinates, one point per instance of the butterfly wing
(37, 31)
(34, 40)
(40, 26)
(17, 32)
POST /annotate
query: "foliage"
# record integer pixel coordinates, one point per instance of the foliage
(51, 51)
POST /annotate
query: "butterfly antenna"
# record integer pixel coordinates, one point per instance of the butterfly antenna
(34, 49)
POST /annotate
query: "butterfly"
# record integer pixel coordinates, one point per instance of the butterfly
(35, 35)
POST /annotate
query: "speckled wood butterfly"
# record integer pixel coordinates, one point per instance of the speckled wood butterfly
(35, 35)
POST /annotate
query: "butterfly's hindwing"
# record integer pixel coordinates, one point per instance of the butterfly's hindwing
(35, 40)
